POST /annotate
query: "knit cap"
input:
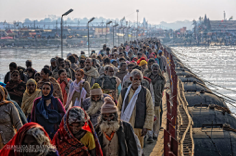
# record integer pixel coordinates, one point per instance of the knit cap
(96, 89)
(109, 106)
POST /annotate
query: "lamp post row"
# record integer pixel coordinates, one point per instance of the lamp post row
(71, 10)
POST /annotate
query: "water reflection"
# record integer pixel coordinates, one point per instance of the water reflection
(214, 64)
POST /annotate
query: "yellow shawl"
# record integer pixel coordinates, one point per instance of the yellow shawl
(28, 99)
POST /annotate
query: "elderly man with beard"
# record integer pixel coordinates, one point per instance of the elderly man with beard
(92, 105)
(60, 65)
(145, 81)
(116, 137)
(90, 73)
(109, 83)
(135, 103)
(158, 82)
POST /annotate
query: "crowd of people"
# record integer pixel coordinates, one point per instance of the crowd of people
(102, 104)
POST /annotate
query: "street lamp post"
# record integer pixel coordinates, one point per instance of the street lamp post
(119, 36)
(128, 33)
(124, 34)
(88, 32)
(106, 30)
(69, 11)
(137, 21)
(113, 32)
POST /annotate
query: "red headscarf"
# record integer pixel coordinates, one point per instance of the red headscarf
(67, 144)
(18, 139)
(152, 55)
(142, 58)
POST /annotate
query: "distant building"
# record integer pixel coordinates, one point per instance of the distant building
(223, 26)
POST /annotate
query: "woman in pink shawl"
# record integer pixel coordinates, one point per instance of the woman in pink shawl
(79, 90)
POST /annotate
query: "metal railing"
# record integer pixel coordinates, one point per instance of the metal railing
(170, 134)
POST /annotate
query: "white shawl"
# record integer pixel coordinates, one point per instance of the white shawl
(126, 114)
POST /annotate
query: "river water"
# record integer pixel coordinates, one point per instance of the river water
(39, 57)
(214, 64)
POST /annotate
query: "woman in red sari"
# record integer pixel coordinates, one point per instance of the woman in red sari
(76, 135)
(26, 141)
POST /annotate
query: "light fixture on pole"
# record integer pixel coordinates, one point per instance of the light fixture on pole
(121, 21)
(113, 32)
(88, 32)
(137, 21)
(69, 11)
(106, 30)
(119, 36)
(128, 32)
(124, 34)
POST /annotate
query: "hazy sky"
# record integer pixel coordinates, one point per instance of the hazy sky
(155, 11)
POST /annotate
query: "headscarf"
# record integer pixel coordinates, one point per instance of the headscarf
(82, 56)
(3, 100)
(65, 141)
(143, 62)
(76, 115)
(48, 116)
(28, 99)
(2, 84)
(152, 55)
(41, 105)
(34, 130)
(142, 58)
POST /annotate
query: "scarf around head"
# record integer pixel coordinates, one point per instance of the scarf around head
(28, 99)
(18, 139)
(3, 100)
(66, 142)
(41, 106)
